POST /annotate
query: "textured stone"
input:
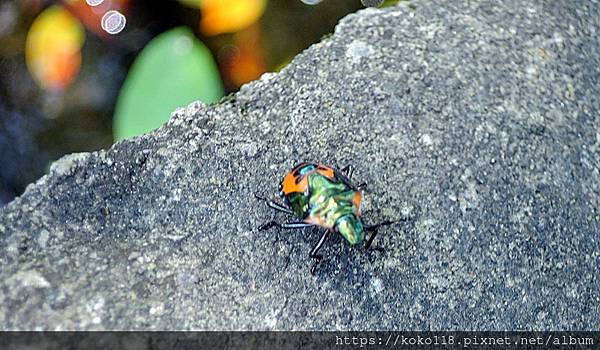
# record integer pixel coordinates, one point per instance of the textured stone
(475, 124)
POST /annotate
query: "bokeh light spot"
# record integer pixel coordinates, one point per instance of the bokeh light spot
(113, 22)
(311, 2)
(94, 2)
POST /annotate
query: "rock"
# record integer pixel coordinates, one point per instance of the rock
(475, 125)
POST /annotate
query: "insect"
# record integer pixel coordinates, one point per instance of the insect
(321, 196)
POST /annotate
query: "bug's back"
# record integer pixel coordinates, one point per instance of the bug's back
(320, 195)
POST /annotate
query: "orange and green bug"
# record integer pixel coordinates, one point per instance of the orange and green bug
(321, 196)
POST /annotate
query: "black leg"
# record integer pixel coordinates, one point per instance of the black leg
(370, 240)
(348, 170)
(313, 253)
(289, 225)
(374, 228)
(267, 225)
(294, 225)
(275, 205)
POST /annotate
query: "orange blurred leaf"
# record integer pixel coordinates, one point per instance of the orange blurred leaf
(53, 48)
(229, 16)
(248, 63)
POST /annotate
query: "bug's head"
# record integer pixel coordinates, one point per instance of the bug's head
(351, 228)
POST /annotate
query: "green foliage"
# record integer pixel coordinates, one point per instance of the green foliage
(388, 3)
(174, 69)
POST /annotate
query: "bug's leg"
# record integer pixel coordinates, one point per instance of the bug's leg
(313, 253)
(374, 228)
(348, 170)
(294, 225)
(274, 205)
(289, 225)
(361, 186)
(267, 225)
(370, 240)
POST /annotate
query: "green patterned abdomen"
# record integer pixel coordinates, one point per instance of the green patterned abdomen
(329, 201)
(329, 204)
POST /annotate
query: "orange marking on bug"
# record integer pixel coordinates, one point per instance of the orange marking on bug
(356, 199)
(326, 171)
(289, 184)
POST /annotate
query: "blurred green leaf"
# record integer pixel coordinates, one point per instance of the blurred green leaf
(388, 3)
(174, 69)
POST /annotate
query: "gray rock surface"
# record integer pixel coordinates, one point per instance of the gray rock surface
(476, 125)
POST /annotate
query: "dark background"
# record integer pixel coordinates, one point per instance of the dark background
(38, 126)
